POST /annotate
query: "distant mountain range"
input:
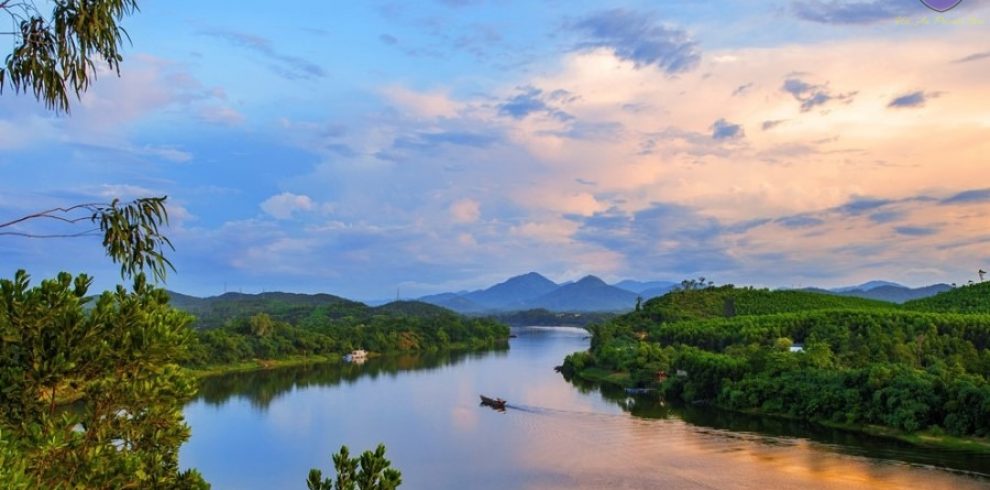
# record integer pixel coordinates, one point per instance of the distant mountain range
(886, 291)
(534, 291)
(530, 291)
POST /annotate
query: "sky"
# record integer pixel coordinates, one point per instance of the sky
(360, 148)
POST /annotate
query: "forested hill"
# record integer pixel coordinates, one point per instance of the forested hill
(296, 309)
(730, 301)
(974, 298)
(921, 368)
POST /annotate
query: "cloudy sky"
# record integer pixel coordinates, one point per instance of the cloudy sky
(357, 147)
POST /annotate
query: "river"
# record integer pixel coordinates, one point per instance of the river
(265, 430)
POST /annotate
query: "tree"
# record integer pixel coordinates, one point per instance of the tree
(370, 471)
(261, 324)
(131, 231)
(56, 54)
(118, 354)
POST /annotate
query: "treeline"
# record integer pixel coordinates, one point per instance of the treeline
(262, 337)
(788, 353)
(541, 317)
(974, 298)
(730, 301)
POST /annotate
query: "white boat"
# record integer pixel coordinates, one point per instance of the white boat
(357, 356)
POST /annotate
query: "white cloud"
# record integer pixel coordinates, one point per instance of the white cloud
(285, 205)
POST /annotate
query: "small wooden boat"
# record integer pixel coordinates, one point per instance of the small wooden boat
(496, 403)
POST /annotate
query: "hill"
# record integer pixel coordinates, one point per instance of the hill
(974, 298)
(412, 308)
(588, 294)
(453, 301)
(897, 294)
(291, 308)
(729, 301)
(868, 286)
(512, 293)
(916, 369)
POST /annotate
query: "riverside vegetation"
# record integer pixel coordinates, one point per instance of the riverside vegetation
(260, 330)
(918, 372)
(123, 355)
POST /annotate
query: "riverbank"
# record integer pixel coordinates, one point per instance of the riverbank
(71, 393)
(933, 439)
(293, 361)
(260, 365)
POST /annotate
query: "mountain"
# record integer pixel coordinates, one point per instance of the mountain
(454, 302)
(588, 294)
(868, 286)
(512, 293)
(899, 294)
(641, 287)
(884, 291)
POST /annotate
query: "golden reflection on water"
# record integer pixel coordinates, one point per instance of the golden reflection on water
(614, 451)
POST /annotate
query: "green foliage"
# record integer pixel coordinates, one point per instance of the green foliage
(730, 301)
(131, 231)
(324, 331)
(261, 325)
(120, 352)
(56, 54)
(131, 235)
(862, 362)
(370, 471)
(974, 298)
(283, 307)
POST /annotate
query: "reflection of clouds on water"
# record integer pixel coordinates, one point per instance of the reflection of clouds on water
(464, 419)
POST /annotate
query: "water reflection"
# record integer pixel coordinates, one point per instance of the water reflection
(265, 430)
(263, 387)
(778, 431)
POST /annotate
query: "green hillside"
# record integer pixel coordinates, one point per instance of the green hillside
(729, 301)
(286, 307)
(413, 308)
(974, 298)
(919, 369)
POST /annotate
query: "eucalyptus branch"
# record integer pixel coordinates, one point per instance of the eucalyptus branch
(32, 235)
(92, 206)
(131, 231)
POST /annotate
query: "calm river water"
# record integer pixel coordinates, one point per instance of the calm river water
(266, 430)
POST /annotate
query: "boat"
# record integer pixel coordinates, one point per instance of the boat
(357, 356)
(496, 403)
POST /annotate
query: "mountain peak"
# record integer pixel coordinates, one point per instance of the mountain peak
(512, 291)
(591, 280)
(529, 276)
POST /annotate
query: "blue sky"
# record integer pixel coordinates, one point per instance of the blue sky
(360, 147)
